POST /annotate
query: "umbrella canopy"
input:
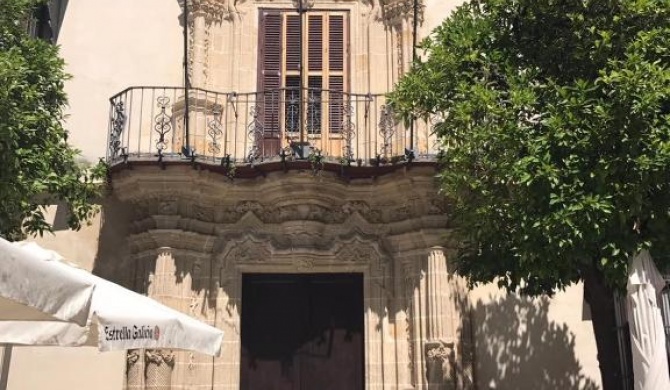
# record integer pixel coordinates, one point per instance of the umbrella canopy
(647, 335)
(118, 318)
(62, 295)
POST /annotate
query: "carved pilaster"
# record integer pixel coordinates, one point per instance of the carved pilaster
(162, 279)
(134, 370)
(440, 332)
(409, 270)
(158, 369)
(438, 286)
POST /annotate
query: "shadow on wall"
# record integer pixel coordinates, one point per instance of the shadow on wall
(113, 258)
(518, 347)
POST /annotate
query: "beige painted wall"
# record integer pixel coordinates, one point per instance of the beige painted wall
(437, 11)
(57, 368)
(108, 46)
(539, 343)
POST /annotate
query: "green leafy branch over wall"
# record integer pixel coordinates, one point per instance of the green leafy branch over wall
(37, 166)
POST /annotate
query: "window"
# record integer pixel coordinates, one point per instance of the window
(322, 43)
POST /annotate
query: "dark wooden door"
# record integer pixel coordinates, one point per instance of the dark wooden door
(302, 331)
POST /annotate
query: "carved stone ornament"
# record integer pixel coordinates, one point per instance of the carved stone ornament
(302, 212)
(159, 357)
(214, 9)
(440, 361)
(132, 357)
(395, 11)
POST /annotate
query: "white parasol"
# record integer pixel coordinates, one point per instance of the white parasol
(647, 335)
(22, 268)
(116, 319)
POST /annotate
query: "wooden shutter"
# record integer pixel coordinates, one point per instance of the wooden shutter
(336, 42)
(292, 42)
(336, 104)
(315, 43)
(269, 72)
(336, 67)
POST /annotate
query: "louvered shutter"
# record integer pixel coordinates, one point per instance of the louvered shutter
(336, 80)
(315, 43)
(292, 42)
(315, 80)
(336, 42)
(269, 80)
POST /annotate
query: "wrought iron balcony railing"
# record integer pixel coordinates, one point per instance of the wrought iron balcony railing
(148, 123)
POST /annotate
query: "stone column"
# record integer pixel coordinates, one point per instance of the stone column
(155, 365)
(440, 333)
(134, 370)
(158, 369)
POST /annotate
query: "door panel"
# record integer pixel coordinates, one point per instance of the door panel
(302, 332)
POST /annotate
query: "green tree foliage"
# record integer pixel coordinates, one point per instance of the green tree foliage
(556, 139)
(37, 166)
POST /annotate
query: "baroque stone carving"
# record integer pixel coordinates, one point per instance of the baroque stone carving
(250, 253)
(215, 10)
(168, 207)
(157, 356)
(304, 212)
(440, 359)
(276, 214)
(357, 253)
(395, 11)
(203, 213)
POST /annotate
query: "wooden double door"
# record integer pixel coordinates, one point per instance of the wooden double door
(302, 332)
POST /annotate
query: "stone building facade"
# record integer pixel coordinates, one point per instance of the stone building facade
(190, 247)
(283, 158)
(263, 188)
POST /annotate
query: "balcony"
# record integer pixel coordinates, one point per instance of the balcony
(262, 130)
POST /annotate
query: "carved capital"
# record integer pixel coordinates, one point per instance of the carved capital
(159, 357)
(132, 357)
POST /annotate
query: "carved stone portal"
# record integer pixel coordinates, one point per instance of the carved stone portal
(193, 240)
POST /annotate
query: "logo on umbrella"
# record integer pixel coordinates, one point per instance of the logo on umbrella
(157, 332)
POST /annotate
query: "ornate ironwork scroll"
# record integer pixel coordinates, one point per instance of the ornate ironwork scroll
(118, 121)
(163, 124)
(292, 111)
(348, 131)
(386, 129)
(255, 131)
(314, 112)
(215, 130)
